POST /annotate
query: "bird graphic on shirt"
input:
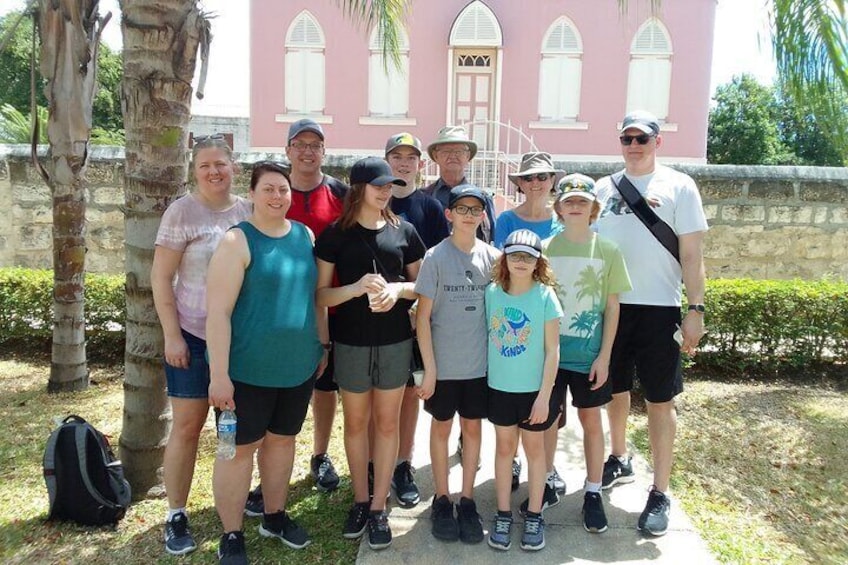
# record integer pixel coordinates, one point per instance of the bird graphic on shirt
(516, 326)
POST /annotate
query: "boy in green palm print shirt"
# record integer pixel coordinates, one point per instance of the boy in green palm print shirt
(590, 273)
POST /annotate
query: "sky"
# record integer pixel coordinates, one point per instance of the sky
(741, 45)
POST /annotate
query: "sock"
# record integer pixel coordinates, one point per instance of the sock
(505, 513)
(622, 458)
(399, 461)
(533, 514)
(174, 511)
(592, 487)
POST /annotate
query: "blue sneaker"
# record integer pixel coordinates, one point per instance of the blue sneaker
(501, 537)
(654, 518)
(533, 538)
(178, 540)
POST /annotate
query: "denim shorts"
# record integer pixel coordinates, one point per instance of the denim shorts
(194, 381)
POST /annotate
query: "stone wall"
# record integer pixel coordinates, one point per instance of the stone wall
(765, 222)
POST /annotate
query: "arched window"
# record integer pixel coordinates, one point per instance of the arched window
(304, 66)
(388, 86)
(649, 81)
(560, 72)
(476, 26)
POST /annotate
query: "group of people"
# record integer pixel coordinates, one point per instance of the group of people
(312, 289)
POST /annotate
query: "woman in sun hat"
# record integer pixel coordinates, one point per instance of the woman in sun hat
(535, 178)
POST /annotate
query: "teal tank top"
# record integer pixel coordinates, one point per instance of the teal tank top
(274, 339)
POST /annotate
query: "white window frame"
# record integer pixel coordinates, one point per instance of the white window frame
(649, 75)
(560, 74)
(388, 86)
(305, 93)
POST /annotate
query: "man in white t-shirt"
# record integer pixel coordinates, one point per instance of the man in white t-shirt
(647, 343)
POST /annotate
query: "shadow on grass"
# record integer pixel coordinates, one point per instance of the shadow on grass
(772, 452)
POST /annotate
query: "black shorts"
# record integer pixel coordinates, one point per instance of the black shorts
(325, 381)
(582, 395)
(468, 397)
(513, 408)
(261, 409)
(644, 347)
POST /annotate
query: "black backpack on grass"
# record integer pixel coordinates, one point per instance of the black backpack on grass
(85, 482)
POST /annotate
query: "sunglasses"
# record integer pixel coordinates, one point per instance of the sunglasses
(641, 139)
(541, 177)
(208, 138)
(465, 210)
(521, 257)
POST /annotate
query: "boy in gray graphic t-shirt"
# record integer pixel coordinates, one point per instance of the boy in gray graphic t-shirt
(452, 335)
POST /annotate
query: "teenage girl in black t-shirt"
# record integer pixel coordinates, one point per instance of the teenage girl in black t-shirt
(374, 254)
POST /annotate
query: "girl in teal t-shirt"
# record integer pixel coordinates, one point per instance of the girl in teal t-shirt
(523, 315)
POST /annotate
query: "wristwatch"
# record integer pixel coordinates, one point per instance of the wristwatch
(327, 346)
(699, 308)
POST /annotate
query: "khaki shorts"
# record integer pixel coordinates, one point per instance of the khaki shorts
(361, 368)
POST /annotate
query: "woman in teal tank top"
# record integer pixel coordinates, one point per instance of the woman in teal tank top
(264, 335)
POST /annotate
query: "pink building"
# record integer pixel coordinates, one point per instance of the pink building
(558, 73)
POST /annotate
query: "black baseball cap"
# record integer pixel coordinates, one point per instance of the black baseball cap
(373, 170)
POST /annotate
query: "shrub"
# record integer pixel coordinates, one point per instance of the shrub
(752, 324)
(768, 324)
(26, 310)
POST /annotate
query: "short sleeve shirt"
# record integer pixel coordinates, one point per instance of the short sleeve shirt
(193, 229)
(654, 273)
(456, 282)
(509, 221)
(425, 213)
(516, 350)
(587, 273)
(356, 252)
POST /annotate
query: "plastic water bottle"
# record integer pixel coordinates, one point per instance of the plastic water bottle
(226, 435)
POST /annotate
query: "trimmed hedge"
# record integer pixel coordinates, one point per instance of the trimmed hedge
(772, 324)
(26, 310)
(752, 324)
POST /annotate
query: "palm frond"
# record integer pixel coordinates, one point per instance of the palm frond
(388, 16)
(15, 125)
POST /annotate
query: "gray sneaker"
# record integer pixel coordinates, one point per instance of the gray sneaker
(533, 538)
(178, 540)
(557, 482)
(654, 518)
(501, 535)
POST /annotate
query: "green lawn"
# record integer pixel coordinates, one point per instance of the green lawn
(759, 468)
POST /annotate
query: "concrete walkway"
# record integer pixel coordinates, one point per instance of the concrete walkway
(566, 540)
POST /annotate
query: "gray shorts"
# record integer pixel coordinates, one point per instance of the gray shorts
(361, 368)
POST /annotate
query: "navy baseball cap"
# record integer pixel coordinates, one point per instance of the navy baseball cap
(373, 170)
(305, 124)
(465, 190)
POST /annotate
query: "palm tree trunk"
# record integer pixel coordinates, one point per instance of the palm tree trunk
(70, 32)
(161, 38)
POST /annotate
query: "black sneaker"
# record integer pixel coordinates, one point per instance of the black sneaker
(357, 520)
(323, 473)
(379, 532)
(279, 525)
(445, 526)
(231, 549)
(254, 506)
(594, 517)
(403, 482)
(178, 540)
(516, 473)
(470, 523)
(617, 472)
(654, 518)
(549, 498)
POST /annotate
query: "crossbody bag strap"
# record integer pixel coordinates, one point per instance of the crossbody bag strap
(659, 228)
